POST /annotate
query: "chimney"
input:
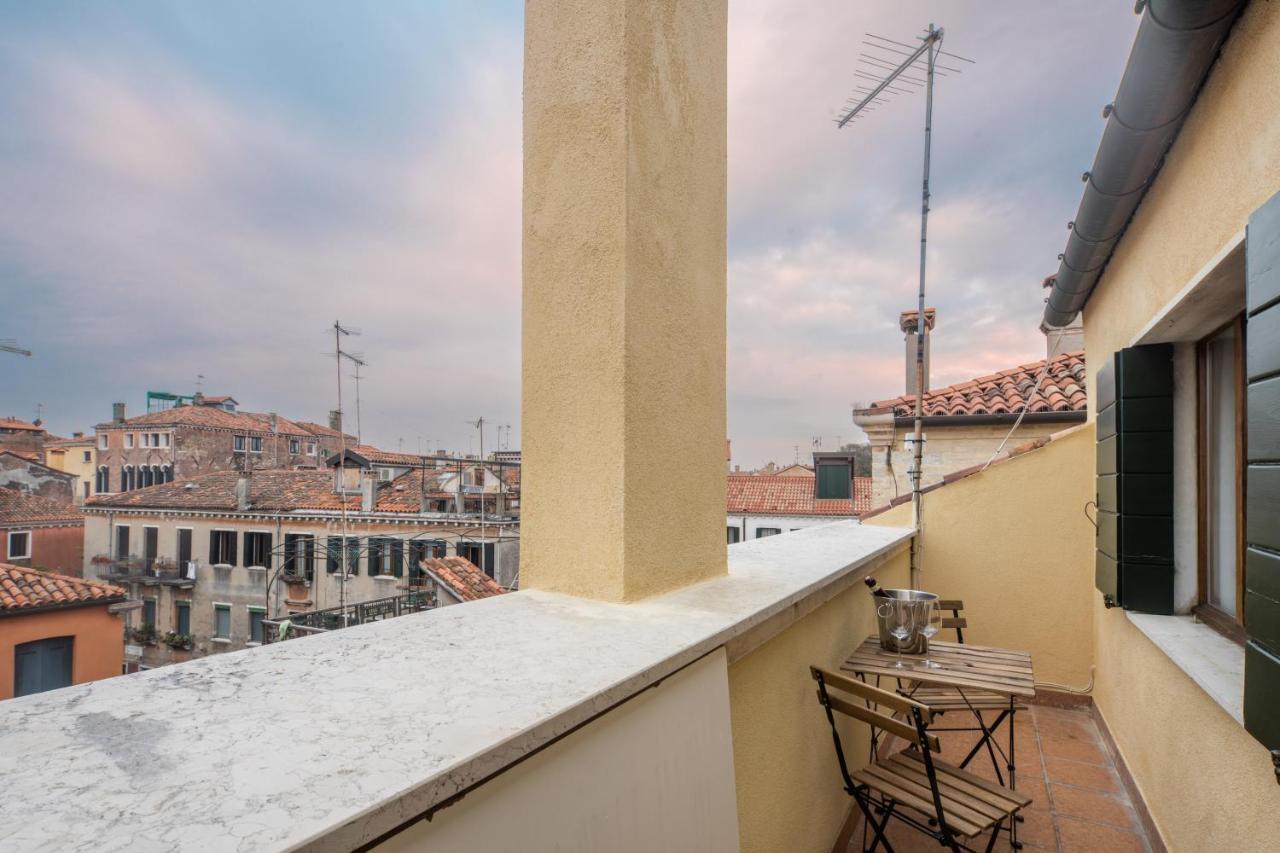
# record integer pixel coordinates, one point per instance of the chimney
(117, 413)
(335, 419)
(907, 322)
(197, 399)
(368, 488)
(77, 435)
(242, 490)
(275, 423)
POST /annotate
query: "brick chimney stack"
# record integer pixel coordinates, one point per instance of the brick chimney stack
(117, 413)
(335, 420)
(907, 323)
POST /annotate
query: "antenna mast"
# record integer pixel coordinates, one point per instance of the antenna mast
(339, 331)
(919, 58)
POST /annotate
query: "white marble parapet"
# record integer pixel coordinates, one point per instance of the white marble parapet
(330, 741)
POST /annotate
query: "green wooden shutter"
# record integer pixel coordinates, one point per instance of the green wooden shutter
(1262, 477)
(1134, 562)
(835, 481)
(397, 557)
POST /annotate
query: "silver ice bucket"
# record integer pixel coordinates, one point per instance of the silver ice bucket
(919, 603)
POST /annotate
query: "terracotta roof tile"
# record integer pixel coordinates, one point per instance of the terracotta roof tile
(210, 417)
(773, 494)
(1005, 392)
(20, 424)
(21, 508)
(28, 589)
(272, 490)
(463, 578)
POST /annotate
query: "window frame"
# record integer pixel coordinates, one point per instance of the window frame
(104, 441)
(261, 612)
(239, 443)
(773, 531)
(128, 441)
(221, 607)
(255, 444)
(222, 551)
(1231, 627)
(9, 544)
(181, 606)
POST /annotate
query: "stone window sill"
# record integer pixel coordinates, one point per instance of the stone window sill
(1209, 659)
(222, 641)
(385, 578)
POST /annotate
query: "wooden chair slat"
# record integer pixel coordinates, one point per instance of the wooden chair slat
(954, 809)
(950, 604)
(975, 780)
(954, 785)
(878, 695)
(906, 796)
(879, 720)
(945, 699)
(954, 622)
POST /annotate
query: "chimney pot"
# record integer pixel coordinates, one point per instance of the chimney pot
(335, 420)
(117, 413)
(907, 322)
(243, 483)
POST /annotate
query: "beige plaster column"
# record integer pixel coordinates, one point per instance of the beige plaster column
(624, 296)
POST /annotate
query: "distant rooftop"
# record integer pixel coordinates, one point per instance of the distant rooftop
(1006, 392)
(782, 494)
(21, 508)
(23, 590)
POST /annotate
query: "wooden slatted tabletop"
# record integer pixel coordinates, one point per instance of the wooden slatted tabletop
(963, 666)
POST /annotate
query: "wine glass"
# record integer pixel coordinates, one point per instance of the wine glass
(900, 619)
(930, 625)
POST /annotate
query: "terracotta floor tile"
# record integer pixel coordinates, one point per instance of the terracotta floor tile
(1082, 729)
(1074, 749)
(1079, 836)
(1082, 775)
(1095, 806)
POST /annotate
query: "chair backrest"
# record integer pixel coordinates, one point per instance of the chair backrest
(874, 697)
(955, 620)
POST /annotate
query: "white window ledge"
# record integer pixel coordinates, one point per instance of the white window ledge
(490, 705)
(1209, 659)
(385, 578)
(220, 640)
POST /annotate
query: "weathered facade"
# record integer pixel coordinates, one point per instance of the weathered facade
(208, 435)
(33, 477)
(36, 532)
(211, 556)
(75, 456)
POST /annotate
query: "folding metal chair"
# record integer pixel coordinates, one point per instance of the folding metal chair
(958, 804)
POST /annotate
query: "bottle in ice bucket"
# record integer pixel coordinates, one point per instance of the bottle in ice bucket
(874, 586)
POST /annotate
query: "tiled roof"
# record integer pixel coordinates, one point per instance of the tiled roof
(82, 441)
(212, 417)
(322, 431)
(1006, 392)
(463, 578)
(18, 423)
(772, 494)
(21, 508)
(270, 490)
(28, 589)
(386, 457)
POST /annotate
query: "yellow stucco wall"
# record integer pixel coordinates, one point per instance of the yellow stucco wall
(1223, 166)
(624, 295)
(790, 795)
(1206, 782)
(71, 460)
(1013, 543)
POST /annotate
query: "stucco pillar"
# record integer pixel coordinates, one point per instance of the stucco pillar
(624, 296)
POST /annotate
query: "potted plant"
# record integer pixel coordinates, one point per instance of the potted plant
(177, 641)
(145, 634)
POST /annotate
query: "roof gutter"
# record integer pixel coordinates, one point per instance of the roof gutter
(1176, 44)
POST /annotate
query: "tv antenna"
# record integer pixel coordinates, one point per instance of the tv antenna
(11, 345)
(355, 358)
(340, 332)
(883, 79)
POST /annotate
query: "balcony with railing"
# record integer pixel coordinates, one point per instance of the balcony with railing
(135, 569)
(348, 615)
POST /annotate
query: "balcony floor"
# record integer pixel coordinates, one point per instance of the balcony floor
(1079, 803)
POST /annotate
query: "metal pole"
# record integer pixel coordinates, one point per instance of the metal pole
(933, 44)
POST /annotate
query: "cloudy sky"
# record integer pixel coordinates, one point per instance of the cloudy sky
(191, 188)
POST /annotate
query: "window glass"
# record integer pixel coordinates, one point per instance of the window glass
(255, 444)
(733, 534)
(767, 531)
(19, 545)
(239, 443)
(222, 621)
(1219, 421)
(183, 609)
(149, 612)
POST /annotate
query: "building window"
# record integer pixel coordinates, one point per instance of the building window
(164, 439)
(182, 618)
(237, 443)
(19, 544)
(168, 474)
(256, 615)
(88, 456)
(295, 446)
(835, 481)
(1221, 587)
(148, 612)
(299, 554)
(126, 478)
(102, 441)
(257, 550)
(184, 549)
(102, 482)
(128, 441)
(122, 542)
(222, 547)
(42, 665)
(762, 532)
(733, 533)
(222, 621)
(311, 448)
(255, 444)
(335, 552)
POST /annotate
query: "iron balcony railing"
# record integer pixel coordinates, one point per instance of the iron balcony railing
(357, 613)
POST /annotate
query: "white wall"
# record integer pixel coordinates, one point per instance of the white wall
(655, 774)
(748, 524)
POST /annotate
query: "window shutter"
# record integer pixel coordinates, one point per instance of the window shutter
(397, 557)
(835, 481)
(1262, 478)
(331, 555)
(213, 547)
(1134, 561)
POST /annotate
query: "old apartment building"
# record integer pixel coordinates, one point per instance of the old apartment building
(74, 456)
(210, 434)
(213, 555)
(965, 423)
(36, 532)
(795, 497)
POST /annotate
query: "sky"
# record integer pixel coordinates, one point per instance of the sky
(191, 189)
